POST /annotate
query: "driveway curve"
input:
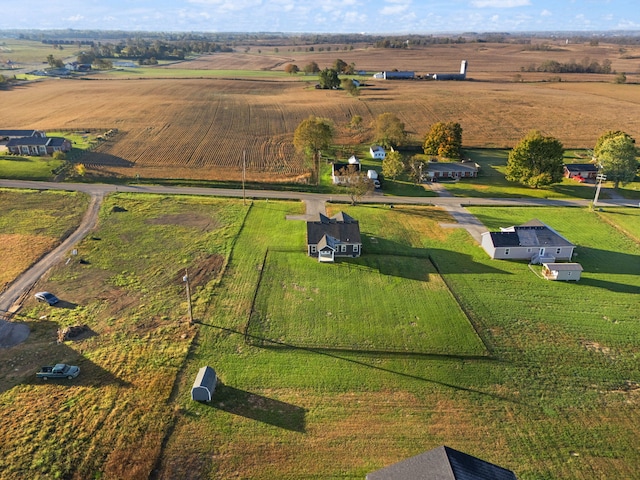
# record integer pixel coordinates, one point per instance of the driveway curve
(13, 333)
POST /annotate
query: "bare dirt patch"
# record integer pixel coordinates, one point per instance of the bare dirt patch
(201, 222)
(204, 270)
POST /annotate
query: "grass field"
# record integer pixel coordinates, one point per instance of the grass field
(32, 223)
(126, 286)
(554, 395)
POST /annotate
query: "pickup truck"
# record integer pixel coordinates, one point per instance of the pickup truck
(60, 370)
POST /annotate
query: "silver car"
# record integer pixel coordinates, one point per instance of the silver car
(50, 298)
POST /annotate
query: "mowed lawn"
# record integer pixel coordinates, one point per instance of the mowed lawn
(556, 398)
(373, 303)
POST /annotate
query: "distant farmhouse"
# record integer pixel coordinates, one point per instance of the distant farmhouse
(338, 236)
(433, 171)
(378, 152)
(581, 171)
(533, 241)
(340, 172)
(32, 142)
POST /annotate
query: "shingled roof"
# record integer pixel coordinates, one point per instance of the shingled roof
(442, 463)
(533, 233)
(341, 226)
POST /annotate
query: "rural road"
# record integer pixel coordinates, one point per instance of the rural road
(12, 333)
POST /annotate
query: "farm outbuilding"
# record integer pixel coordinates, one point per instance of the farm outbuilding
(562, 271)
(205, 385)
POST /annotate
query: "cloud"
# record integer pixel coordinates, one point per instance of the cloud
(500, 3)
(397, 7)
(545, 13)
(75, 18)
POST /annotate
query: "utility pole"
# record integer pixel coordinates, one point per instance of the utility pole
(185, 279)
(601, 178)
(244, 168)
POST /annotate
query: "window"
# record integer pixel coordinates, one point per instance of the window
(506, 251)
(313, 249)
(343, 248)
(558, 250)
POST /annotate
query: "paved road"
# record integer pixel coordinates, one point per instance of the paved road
(12, 333)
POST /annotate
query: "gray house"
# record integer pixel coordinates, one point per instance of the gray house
(338, 236)
(38, 145)
(437, 170)
(533, 241)
(442, 463)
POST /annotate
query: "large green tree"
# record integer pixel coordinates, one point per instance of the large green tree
(536, 161)
(616, 153)
(392, 165)
(389, 130)
(311, 137)
(328, 78)
(444, 139)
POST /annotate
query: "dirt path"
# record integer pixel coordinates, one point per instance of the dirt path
(13, 333)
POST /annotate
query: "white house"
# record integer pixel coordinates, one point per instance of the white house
(378, 152)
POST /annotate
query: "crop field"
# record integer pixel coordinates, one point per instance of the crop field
(33, 223)
(188, 125)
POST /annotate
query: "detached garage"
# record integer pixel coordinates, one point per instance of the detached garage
(205, 385)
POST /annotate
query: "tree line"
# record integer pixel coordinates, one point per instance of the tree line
(536, 161)
(585, 66)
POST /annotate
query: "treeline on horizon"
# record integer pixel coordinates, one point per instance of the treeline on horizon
(231, 39)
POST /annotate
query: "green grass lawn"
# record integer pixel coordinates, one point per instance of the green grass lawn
(28, 168)
(366, 304)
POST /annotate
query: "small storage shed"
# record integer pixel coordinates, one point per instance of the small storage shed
(562, 271)
(205, 385)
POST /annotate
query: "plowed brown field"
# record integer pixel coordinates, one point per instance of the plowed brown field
(198, 128)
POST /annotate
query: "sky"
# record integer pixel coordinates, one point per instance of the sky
(323, 16)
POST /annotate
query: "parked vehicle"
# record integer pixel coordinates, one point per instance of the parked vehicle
(373, 176)
(50, 298)
(59, 370)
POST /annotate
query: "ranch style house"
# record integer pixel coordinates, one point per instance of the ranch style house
(586, 171)
(434, 171)
(533, 241)
(338, 236)
(38, 145)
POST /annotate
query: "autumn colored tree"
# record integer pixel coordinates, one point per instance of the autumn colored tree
(392, 165)
(389, 130)
(536, 161)
(291, 68)
(311, 68)
(444, 140)
(311, 137)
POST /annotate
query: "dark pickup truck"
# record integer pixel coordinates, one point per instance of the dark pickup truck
(60, 370)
